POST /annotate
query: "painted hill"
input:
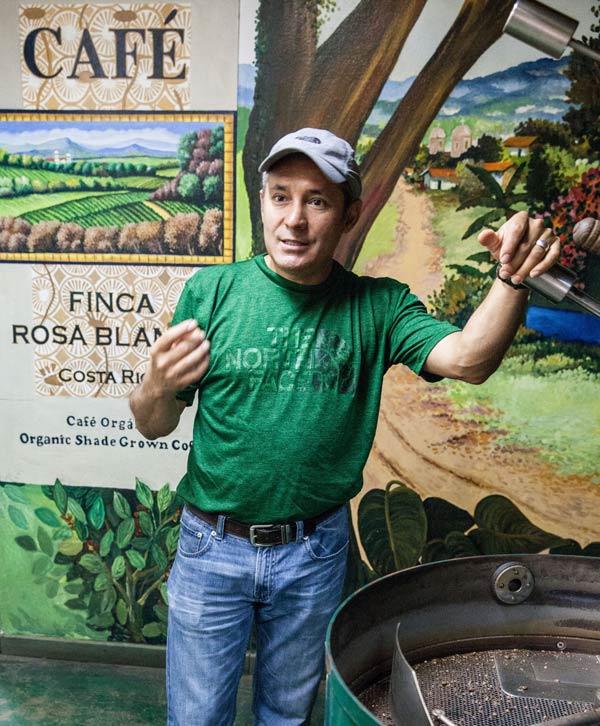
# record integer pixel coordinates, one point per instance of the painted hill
(493, 103)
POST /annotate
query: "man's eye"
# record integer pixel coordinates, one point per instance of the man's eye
(318, 202)
(278, 197)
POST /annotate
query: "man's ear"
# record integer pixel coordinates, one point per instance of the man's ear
(262, 201)
(352, 214)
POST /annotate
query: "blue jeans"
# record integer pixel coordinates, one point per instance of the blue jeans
(218, 585)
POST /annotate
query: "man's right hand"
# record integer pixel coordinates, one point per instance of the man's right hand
(181, 356)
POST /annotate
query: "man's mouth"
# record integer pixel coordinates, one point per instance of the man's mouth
(294, 242)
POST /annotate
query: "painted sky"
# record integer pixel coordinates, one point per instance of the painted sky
(431, 27)
(17, 135)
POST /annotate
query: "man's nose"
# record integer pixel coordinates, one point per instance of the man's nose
(295, 216)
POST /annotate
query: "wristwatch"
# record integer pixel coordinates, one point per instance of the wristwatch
(508, 281)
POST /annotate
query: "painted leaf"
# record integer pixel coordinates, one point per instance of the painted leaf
(45, 542)
(26, 543)
(102, 582)
(392, 526)
(164, 498)
(136, 559)
(70, 547)
(482, 222)
(173, 539)
(108, 599)
(444, 517)
(14, 492)
(81, 529)
(61, 533)
(125, 532)
(118, 567)
(94, 603)
(52, 588)
(97, 513)
(59, 494)
(92, 562)
(105, 620)
(434, 551)
(146, 523)
(74, 587)
(141, 544)
(159, 556)
(151, 630)
(76, 510)
(61, 559)
(504, 529)
(76, 604)
(144, 494)
(106, 542)
(459, 544)
(121, 611)
(161, 612)
(121, 505)
(47, 516)
(41, 565)
(163, 592)
(17, 517)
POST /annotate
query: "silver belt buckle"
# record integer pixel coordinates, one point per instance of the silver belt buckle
(285, 530)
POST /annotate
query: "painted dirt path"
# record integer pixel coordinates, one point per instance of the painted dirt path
(422, 443)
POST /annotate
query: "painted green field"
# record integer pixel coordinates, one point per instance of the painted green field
(78, 209)
(176, 207)
(168, 173)
(19, 206)
(120, 215)
(141, 182)
(42, 175)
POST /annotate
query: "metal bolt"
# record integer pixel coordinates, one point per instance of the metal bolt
(560, 645)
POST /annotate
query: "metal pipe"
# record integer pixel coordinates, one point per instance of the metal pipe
(584, 49)
(546, 29)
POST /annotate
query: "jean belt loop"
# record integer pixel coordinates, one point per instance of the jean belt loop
(221, 526)
(299, 530)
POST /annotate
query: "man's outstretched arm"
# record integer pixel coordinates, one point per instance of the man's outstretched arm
(178, 358)
(475, 352)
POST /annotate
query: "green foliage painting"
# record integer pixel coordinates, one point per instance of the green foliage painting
(108, 553)
(398, 529)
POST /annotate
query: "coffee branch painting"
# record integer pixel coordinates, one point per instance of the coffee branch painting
(137, 188)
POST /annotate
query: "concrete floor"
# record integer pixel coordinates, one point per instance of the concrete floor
(59, 693)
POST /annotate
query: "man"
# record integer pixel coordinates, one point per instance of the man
(287, 353)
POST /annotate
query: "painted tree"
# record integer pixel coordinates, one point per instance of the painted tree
(335, 85)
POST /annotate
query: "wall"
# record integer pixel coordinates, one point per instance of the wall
(89, 529)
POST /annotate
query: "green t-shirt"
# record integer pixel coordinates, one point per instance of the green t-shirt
(288, 408)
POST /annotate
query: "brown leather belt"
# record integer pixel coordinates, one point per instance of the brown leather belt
(262, 535)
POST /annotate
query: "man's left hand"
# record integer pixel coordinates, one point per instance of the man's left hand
(524, 246)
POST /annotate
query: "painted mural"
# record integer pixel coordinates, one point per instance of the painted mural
(455, 469)
(455, 130)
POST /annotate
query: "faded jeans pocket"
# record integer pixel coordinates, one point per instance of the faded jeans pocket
(195, 535)
(331, 537)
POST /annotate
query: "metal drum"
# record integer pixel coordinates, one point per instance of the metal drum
(478, 641)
